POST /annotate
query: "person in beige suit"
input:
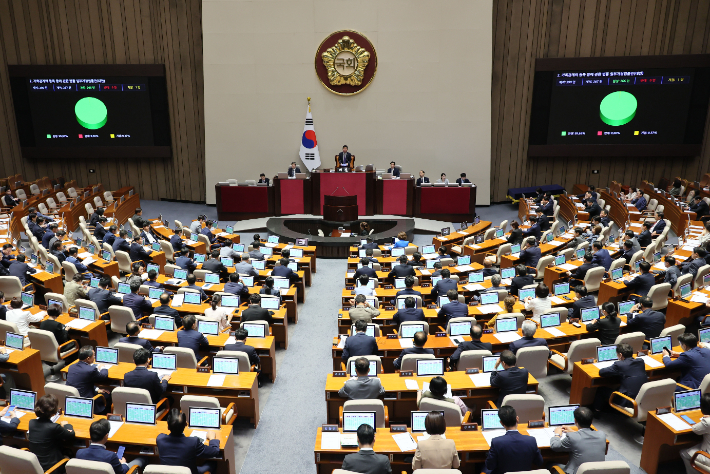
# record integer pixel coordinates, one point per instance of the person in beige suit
(436, 452)
(362, 310)
(75, 290)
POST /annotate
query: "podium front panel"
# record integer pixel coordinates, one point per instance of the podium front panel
(445, 203)
(344, 184)
(292, 192)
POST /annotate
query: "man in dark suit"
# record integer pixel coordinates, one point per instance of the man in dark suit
(521, 279)
(235, 286)
(577, 239)
(240, 346)
(293, 169)
(344, 158)
(693, 362)
(255, 312)
(672, 272)
(640, 202)
(422, 178)
(185, 261)
(546, 206)
(176, 449)
(147, 234)
(99, 431)
(207, 232)
(8, 200)
(176, 240)
(121, 243)
(510, 380)
(601, 256)
(462, 180)
(48, 234)
(659, 225)
(110, 236)
(133, 329)
(96, 216)
(99, 230)
(632, 373)
(285, 272)
(360, 343)
(443, 285)
(366, 461)
(516, 234)
(542, 220)
(58, 251)
(138, 304)
(34, 224)
(700, 207)
(408, 291)
(370, 244)
(643, 282)
(138, 253)
(83, 376)
(488, 269)
(530, 254)
(190, 338)
(581, 271)
(418, 341)
(627, 251)
(697, 261)
(649, 322)
(256, 254)
(513, 451)
(137, 218)
(165, 310)
(534, 229)
(474, 344)
(18, 268)
(72, 258)
(103, 297)
(409, 313)
(528, 340)
(584, 300)
(645, 238)
(592, 208)
(7, 255)
(454, 309)
(393, 170)
(401, 270)
(143, 378)
(263, 179)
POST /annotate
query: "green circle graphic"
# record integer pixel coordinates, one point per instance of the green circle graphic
(618, 108)
(91, 113)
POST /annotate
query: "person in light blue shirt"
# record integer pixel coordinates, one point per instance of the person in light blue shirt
(363, 289)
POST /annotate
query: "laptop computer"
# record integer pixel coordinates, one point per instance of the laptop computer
(430, 367)
(254, 330)
(259, 264)
(617, 273)
(227, 261)
(271, 303)
(372, 372)
(79, 407)
(409, 330)
(285, 283)
(141, 413)
(268, 251)
(515, 249)
(353, 419)
(123, 288)
(154, 293)
(490, 420)
(14, 341)
(230, 301)
(106, 355)
(580, 254)
(489, 363)
(273, 239)
(589, 314)
(248, 281)
(293, 266)
(88, 313)
(625, 306)
(704, 335)
(463, 260)
(475, 277)
(23, 399)
(442, 300)
(489, 297)
(302, 242)
(549, 320)
(397, 252)
(560, 260)
(435, 280)
(561, 288)
(164, 364)
(225, 365)
(399, 283)
(460, 328)
(506, 324)
(417, 420)
(527, 292)
(49, 267)
(208, 328)
(658, 343)
(685, 290)
(212, 278)
(164, 323)
(507, 273)
(427, 249)
(28, 300)
(152, 266)
(561, 415)
(296, 253)
(499, 233)
(206, 418)
(94, 282)
(686, 400)
(200, 258)
(606, 353)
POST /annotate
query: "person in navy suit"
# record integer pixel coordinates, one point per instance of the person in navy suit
(152, 279)
(510, 380)
(659, 225)
(443, 285)
(365, 269)
(581, 271)
(137, 253)
(698, 260)
(642, 284)
(293, 169)
(421, 179)
(72, 258)
(528, 340)
(402, 270)
(513, 451)
(645, 238)
(408, 291)
(370, 244)
(132, 329)
(176, 449)
(283, 271)
(143, 378)
(103, 297)
(190, 338)
(120, 243)
(185, 261)
(462, 179)
(138, 304)
(474, 344)
(7, 256)
(409, 313)
(191, 280)
(693, 362)
(208, 233)
(393, 170)
(236, 286)
(593, 209)
(97, 451)
(83, 376)
(521, 280)
(534, 229)
(20, 269)
(700, 207)
(584, 300)
(240, 346)
(176, 240)
(344, 158)
(648, 321)
(600, 256)
(165, 310)
(360, 343)
(48, 234)
(530, 254)
(542, 220)
(546, 206)
(632, 373)
(100, 230)
(454, 309)
(419, 341)
(110, 236)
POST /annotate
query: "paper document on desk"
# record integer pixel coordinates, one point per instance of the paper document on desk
(150, 333)
(687, 247)
(404, 441)
(542, 436)
(83, 255)
(78, 323)
(556, 243)
(651, 362)
(510, 336)
(489, 308)
(216, 380)
(269, 244)
(341, 344)
(41, 313)
(350, 275)
(199, 434)
(222, 234)
(506, 281)
(481, 380)
(405, 342)
(567, 266)
(557, 299)
(474, 287)
(698, 298)
(475, 246)
(659, 266)
(674, 422)
(464, 268)
(555, 332)
(411, 384)
(490, 434)
(604, 365)
(88, 261)
(424, 272)
(177, 300)
(330, 440)
(115, 425)
(425, 388)
(230, 340)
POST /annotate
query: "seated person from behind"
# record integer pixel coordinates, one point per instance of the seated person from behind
(530, 254)
(401, 270)
(416, 260)
(98, 431)
(601, 256)
(542, 220)
(165, 310)
(47, 438)
(435, 452)
(648, 321)
(702, 427)
(474, 344)
(185, 261)
(418, 342)
(402, 240)
(442, 253)
(513, 451)
(368, 254)
(577, 239)
(444, 285)
(488, 269)
(243, 267)
(133, 329)
(516, 234)
(508, 304)
(437, 269)
(693, 362)
(103, 297)
(235, 286)
(176, 449)
(75, 289)
(453, 309)
(362, 310)
(511, 380)
(240, 336)
(176, 240)
(370, 244)
(190, 338)
(541, 304)
(217, 313)
(141, 377)
(522, 279)
(366, 460)
(256, 253)
(437, 390)
(365, 269)
(84, 375)
(409, 313)
(191, 285)
(528, 340)
(361, 386)
(409, 284)
(582, 300)
(362, 286)
(359, 343)
(52, 325)
(608, 326)
(581, 271)
(642, 283)
(152, 279)
(584, 444)
(632, 373)
(268, 288)
(137, 303)
(22, 318)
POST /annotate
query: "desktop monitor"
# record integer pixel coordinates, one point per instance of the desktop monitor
(656, 257)
(208, 418)
(152, 266)
(562, 415)
(273, 239)
(208, 328)
(463, 260)
(14, 341)
(293, 266)
(229, 229)
(409, 330)
(506, 324)
(192, 298)
(475, 277)
(248, 281)
(227, 261)
(79, 407)
(230, 301)
(617, 273)
(164, 323)
(154, 293)
(193, 237)
(428, 249)
(372, 372)
(430, 367)
(238, 247)
(106, 355)
(625, 306)
(88, 313)
(362, 253)
(95, 282)
(589, 314)
(704, 335)
(91, 248)
(489, 363)
(490, 420)
(284, 283)
(561, 288)
(212, 278)
(225, 365)
(515, 248)
(270, 303)
(254, 330)
(580, 253)
(296, 253)
(165, 361)
(353, 419)
(259, 264)
(180, 274)
(560, 260)
(200, 258)
(687, 400)
(606, 353)
(143, 413)
(460, 328)
(124, 288)
(550, 320)
(489, 297)
(28, 299)
(507, 273)
(399, 283)
(23, 399)
(267, 251)
(418, 418)
(685, 290)
(525, 293)
(658, 343)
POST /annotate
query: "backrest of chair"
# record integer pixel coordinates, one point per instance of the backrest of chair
(120, 316)
(45, 343)
(604, 467)
(185, 357)
(72, 192)
(593, 278)
(527, 406)
(108, 196)
(60, 391)
(452, 413)
(88, 304)
(682, 280)
(125, 351)
(377, 406)
(674, 332)
(121, 395)
(652, 395)
(21, 194)
(57, 297)
(583, 245)
(542, 264)
(61, 197)
(188, 401)
(534, 359)
(10, 286)
(503, 250)
(466, 319)
(582, 349)
(705, 384)
(472, 359)
(42, 208)
(55, 261)
(51, 203)
(409, 361)
(82, 466)
(242, 358)
(702, 271)
(124, 261)
(108, 248)
(636, 256)
(618, 263)
(368, 357)
(17, 460)
(98, 202)
(169, 269)
(167, 247)
(634, 339)
(202, 238)
(69, 270)
(659, 295)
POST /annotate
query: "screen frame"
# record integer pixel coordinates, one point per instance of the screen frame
(155, 413)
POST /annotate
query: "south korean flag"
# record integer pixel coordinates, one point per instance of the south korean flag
(309, 145)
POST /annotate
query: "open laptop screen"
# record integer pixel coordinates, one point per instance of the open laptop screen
(490, 420)
(489, 363)
(79, 407)
(430, 367)
(143, 413)
(686, 400)
(225, 365)
(372, 372)
(106, 355)
(24, 399)
(460, 328)
(165, 361)
(658, 343)
(353, 419)
(549, 320)
(409, 330)
(14, 341)
(562, 415)
(208, 328)
(254, 330)
(606, 353)
(204, 418)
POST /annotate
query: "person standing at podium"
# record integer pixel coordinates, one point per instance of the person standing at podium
(393, 170)
(293, 169)
(344, 159)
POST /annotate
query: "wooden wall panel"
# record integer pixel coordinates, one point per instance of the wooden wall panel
(113, 32)
(528, 29)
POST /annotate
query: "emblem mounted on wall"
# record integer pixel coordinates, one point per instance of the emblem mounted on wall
(346, 62)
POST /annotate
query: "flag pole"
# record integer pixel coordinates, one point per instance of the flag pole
(309, 104)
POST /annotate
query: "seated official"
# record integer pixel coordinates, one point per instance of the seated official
(516, 234)
(176, 449)
(49, 441)
(437, 269)
(99, 229)
(692, 265)
(521, 280)
(240, 345)
(268, 288)
(629, 235)
(437, 390)
(256, 254)
(243, 267)
(600, 256)
(418, 342)
(593, 209)
(370, 244)
(368, 254)
(416, 260)
(344, 158)
(255, 312)
(511, 380)
(542, 220)
(659, 225)
(513, 451)
(226, 250)
(648, 321)
(185, 261)
(453, 309)
(48, 234)
(8, 200)
(541, 304)
(137, 303)
(99, 431)
(362, 288)
(196, 225)
(207, 232)
(166, 310)
(75, 289)
(293, 169)
(360, 343)
(282, 270)
(176, 240)
(530, 254)
(444, 285)
(547, 206)
(488, 269)
(700, 207)
(409, 313)
(582, 301)
(236, 286)
(141, 377)
(190, 338)
(22, 318)
(672, 272)
(59, 236)
(435, 452)
(362, 310)
(627, 251)
(608, 326)
(191, 285)
(52, 325)
(393, 170)
(263, 179)
(701, 428)
(401, 270)
(577, 239)
(110, 235)
(362, 387)
(584, 444)
(219, 314)
(642, 284)
(581, 271)
(474, 344)
(604, 218)
(528, 340)
(84, 376)
(133, 329)
(631, 372)
(152, 279)
(645, 238)
(137, 253)
(103, 297)
(534, 230)
(408, 291)
(366, 460)
(137, 218)
(7, 255)
(462, 179)
(693, 361)
(443, 179)
(149, 238)
(422, 178)
(72, 258)
(120, 243)
(508, 305)
(442, 253)
(402, 240)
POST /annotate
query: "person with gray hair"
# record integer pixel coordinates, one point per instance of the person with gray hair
(362, 310)
(361, 386)
(495, 283)
(528, 339)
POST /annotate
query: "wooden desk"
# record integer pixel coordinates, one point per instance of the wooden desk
(401, 401)
(25, 366)
(663, 443)
(165, 233)
(94, 334)
(457, 238)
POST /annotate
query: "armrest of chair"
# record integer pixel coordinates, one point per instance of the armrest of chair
(557, 470)
(101, 395)
(621, 409)
(340, 416)
(57, 467)
(698, 453)
(441, 329)
(343, 366)
(26, 288)
(232, 407)
(162, 402)
(683, 386)
(72, 352)
(561, 355)
(532, 269)
(202, 360)
(467, 417)
(704, 319)
(133, 470)
(634, 294)
(387, 417)
(492, 405)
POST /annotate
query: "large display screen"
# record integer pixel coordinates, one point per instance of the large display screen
(91, 111)
(603, 106)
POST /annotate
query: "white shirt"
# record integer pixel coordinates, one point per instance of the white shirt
(538, 306)
(219, 315)
(22, 319)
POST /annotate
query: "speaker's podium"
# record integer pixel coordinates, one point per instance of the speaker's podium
(340, 208)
